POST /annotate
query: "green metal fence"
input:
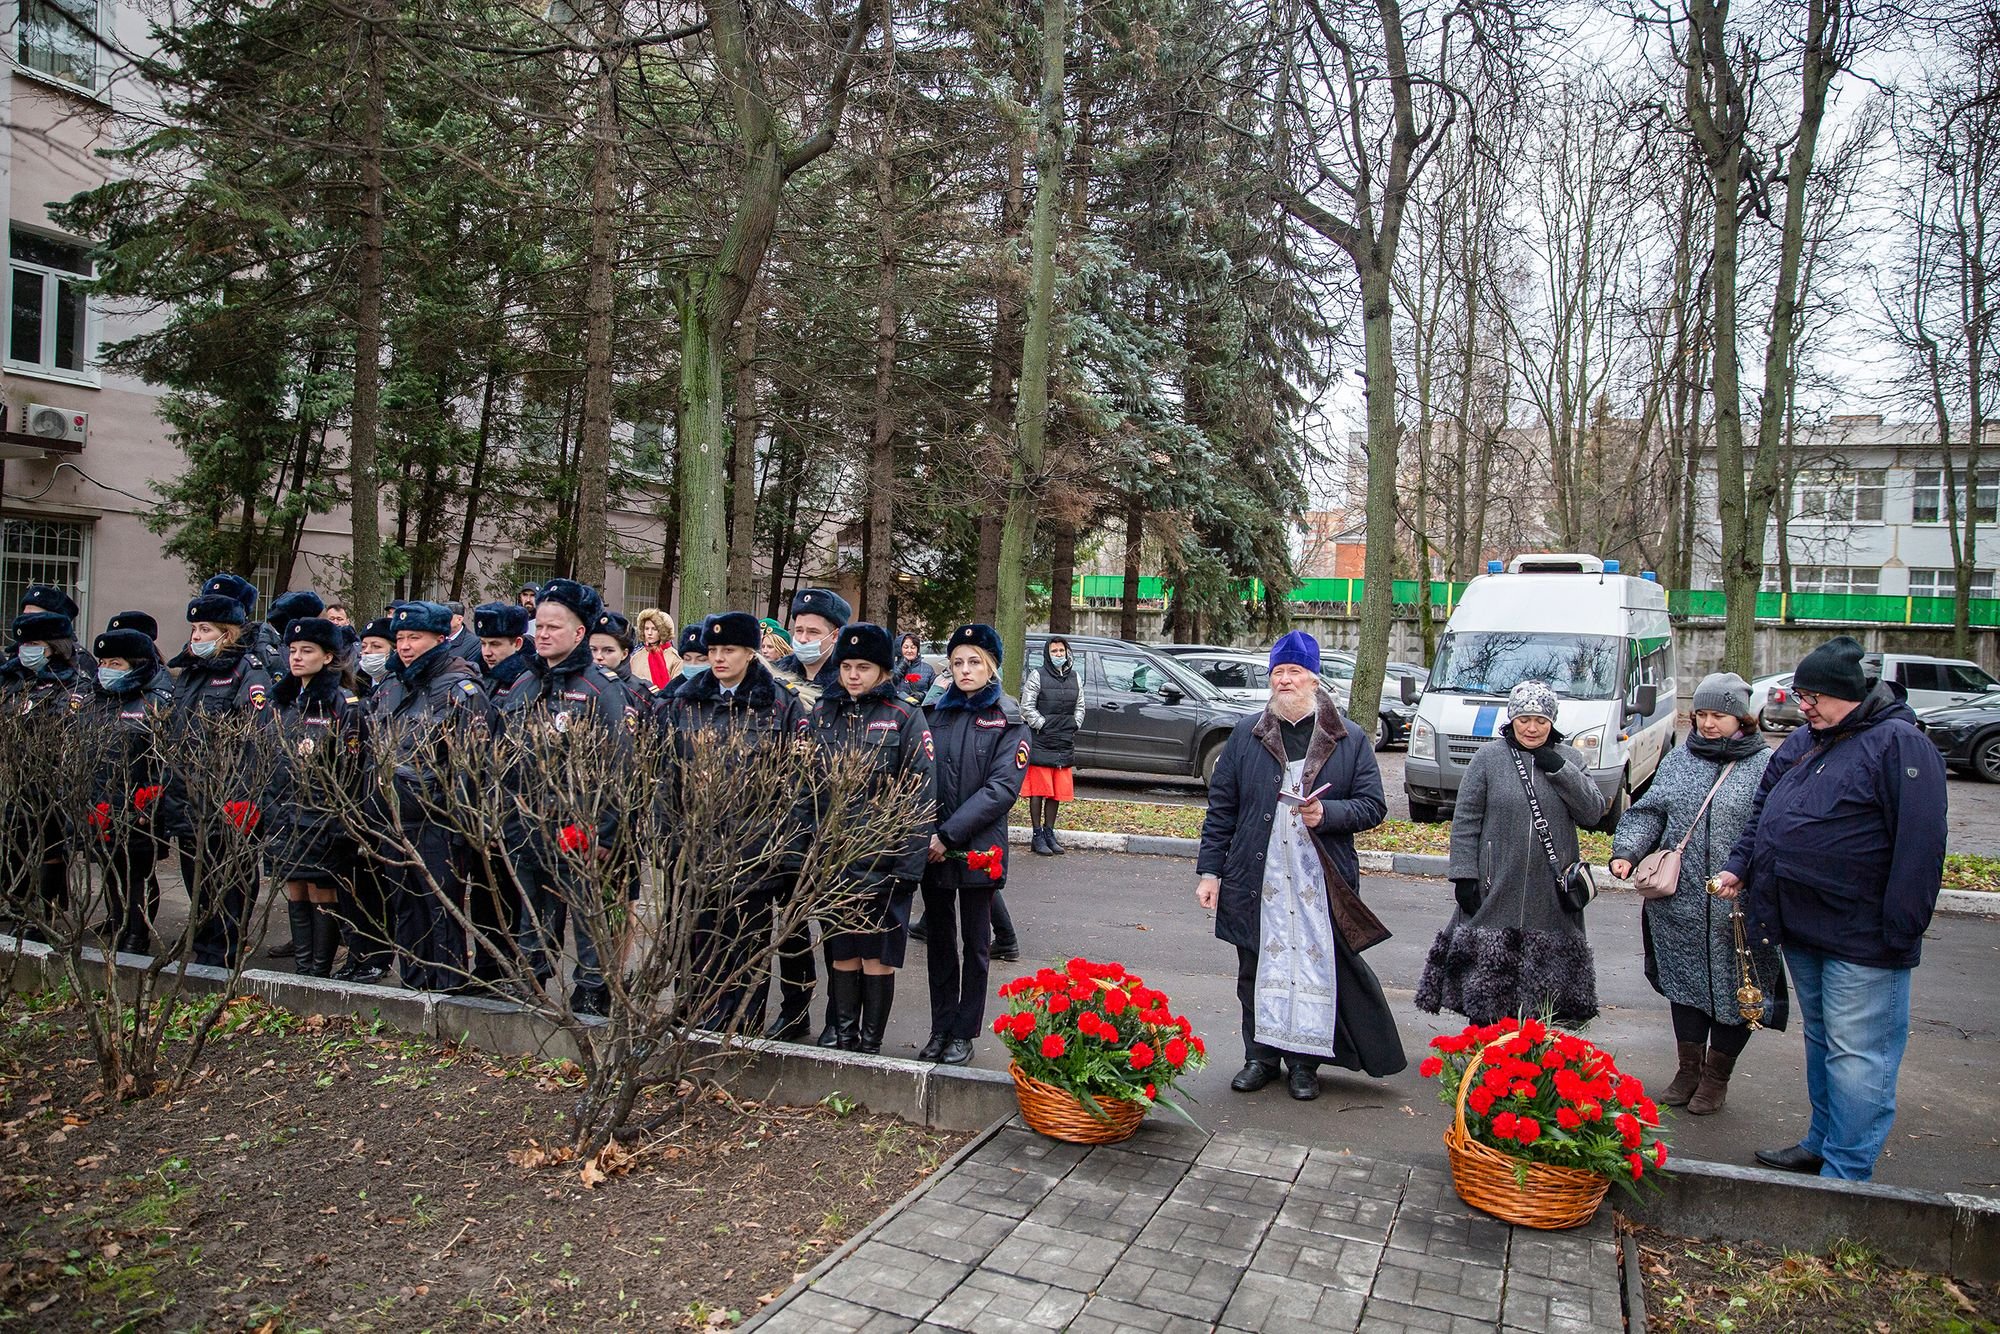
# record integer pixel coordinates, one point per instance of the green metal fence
(1850, 608)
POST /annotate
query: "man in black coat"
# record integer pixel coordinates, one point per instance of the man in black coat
(1292, 787)
(504, 655)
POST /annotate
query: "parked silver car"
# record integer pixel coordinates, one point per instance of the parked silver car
(1243, 675)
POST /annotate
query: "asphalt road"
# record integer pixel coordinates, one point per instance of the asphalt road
(1973, 812)
(1141, 911)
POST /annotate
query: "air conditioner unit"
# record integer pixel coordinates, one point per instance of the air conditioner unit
(57, 423)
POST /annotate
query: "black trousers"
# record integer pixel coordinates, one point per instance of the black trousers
(220, 898)
(430, 943)
(547, 885)
(131, 894)
(1246, 997)
(732, 977)
(364, 912)
(798, 976)
(957, 955)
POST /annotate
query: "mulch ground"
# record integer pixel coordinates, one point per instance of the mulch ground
(1733, 1288)
(323, 1175)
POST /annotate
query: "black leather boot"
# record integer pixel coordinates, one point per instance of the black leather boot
(878, 995)
(843, 1010)
(299, 915)
(325, 943)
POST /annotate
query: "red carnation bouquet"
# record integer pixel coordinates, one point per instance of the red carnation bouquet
(1545, 1096)
(1095, 1031)
(993, 860)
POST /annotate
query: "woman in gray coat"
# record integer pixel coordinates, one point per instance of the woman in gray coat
(1690, 942)
(1512, 948)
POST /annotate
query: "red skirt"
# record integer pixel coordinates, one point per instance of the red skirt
(1043, 781)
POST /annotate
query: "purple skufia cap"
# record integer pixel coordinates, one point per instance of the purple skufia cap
(1297, 648)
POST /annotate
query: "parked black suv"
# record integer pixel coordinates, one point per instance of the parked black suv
(1144, 712)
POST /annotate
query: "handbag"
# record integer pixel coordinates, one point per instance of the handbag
(1658, 874)
(1575, 885)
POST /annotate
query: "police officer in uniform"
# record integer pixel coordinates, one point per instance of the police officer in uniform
(262, 642)
(864, 712)
(611, 649)
(433, 701)
(694, 661)
(321, 722)
(366, 922)
(817, 615)
(219, 676)
(37, 681)
(48, 598)
(462, 640)
(504, 654)
(563, 691)
(737, 693)
(130, 696)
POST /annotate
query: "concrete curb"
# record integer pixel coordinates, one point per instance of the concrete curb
(1952, 902)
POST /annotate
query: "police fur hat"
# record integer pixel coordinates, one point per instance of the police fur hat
(130, 645)
(43, 627)
(979, 635)
(579, 598)
(500, 620)
(217, 609)
(291, 606)
(313, 630)
(233, 586)
(732, 628)
(863, 642)
(380, 628)
(431, 618)
(691, 638)
(614, 624)
(133, 620)
(822, 602)
(49, 598)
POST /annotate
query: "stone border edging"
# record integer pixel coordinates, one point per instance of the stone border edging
(804, 1282)
(1632, 1285)
(1954, 902)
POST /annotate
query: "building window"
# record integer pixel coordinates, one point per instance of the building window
(1839, 497)
(45, 551)
(59, 39)
(1929, 504)
(1944, 584)
(1827, 579)
(49, 325)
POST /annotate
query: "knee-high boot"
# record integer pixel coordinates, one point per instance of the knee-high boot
(878, 994)
(843, 1009)
(299, 916)
(325, 940)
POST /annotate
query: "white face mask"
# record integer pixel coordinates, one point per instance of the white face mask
(808, 651)
(205, 648)
(375, 664)
(34, 656)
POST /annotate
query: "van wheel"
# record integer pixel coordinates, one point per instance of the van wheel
(1209, 756)
(1424, 812)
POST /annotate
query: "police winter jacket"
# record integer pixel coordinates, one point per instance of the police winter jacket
(570, 694)
(123, 723)
(322, 732)
(233, 682)
(24, 691)
(897, 740)
(431, 704)
(766, 709)
(511, 669)
(914, 678)
(1844, 853)
(1243, 802)
(1052, 704)
(982, 754)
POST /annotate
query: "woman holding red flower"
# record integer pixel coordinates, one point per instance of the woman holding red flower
(982, 754)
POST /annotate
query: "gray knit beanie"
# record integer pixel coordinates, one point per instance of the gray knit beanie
(1531, 699)
(1723, 692)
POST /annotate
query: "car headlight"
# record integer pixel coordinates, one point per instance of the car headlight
(1588, 745)
(1423, 742)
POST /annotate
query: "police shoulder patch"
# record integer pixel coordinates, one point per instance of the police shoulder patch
(259, 697)
(469, 687)
(1021, 756)
(930, 751)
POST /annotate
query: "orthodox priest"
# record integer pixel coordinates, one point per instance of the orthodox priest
(1292, 788)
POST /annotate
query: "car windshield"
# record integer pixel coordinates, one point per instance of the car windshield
(1493, 662)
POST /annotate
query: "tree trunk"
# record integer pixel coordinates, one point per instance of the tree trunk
(1379, 562)
(745, 421)
(879, 565)
(476, 485)
(593, 533)
(364, 415)
(1135, 545)
(986, 579)
(1062, 580)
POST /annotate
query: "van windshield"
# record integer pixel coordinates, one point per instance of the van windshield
(1493, 662)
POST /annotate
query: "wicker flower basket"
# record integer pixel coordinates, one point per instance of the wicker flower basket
(1551, 1197)
(1056, 1114)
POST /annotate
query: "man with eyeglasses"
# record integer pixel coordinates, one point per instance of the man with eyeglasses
(1841, 865)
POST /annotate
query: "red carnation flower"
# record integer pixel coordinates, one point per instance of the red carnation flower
(1151, 1093)
(1480, 1100)
(1503, 1125)
(1628, 1129)
(1524, 1090)
(144, 797)
(1200, 1047)
(1431, 1068)
(1002, 1025)
(1176, 1052)
(1141, 1056)
(1053, 1046)
(1638, 1167)
(1567, 1118)
(572, 838)
(1057, 1004)
(1659, 1153)
(1115, 1002)
(1024, 1027)
(1527, 1130)
(1649, 1111)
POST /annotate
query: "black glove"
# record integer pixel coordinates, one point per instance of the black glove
(1467, 894)
(1547, 760)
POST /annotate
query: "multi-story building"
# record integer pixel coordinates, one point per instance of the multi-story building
(1869, 512)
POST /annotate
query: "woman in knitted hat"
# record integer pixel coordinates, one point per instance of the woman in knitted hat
(1700, 801)
(1513, 947)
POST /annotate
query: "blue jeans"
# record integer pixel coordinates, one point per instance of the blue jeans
(1857, 1022)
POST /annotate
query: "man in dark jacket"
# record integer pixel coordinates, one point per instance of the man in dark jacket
(462, 640)
(434, 701)
(817, 615)
(563, 691)
(504, 655)
(1841, 864)
(1291, 789)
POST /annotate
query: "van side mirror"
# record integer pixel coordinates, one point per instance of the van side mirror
(1406, 688)
(1645, 699)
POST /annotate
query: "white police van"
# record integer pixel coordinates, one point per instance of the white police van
(1599, 637)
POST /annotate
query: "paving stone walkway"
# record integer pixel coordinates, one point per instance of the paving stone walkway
(1177, 1231)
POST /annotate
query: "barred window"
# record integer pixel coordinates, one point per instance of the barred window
(45, 551)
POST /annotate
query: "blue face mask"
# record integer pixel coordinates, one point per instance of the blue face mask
(693, 668)
(112, 678)
(807, 651)
(206, 648)
(34, 656)
(375, 664)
